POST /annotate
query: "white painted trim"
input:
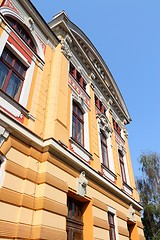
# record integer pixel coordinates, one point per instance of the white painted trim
(75, 97)
(2, 169)
(112, 210)
(26, 85)
(18, 54)
(3, 40)
(35, 140)
(126, 169)
(109, 147)
(28, 78)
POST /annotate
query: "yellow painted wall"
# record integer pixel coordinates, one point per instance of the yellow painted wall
(93, 133)
(56, 118)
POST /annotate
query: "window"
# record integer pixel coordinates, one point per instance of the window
(116, 127)
(104, 149)
(74, 220)
(77, 76)
(12, 74)
(99, 105)
(112, 233)
(22, 32)
(77, 124)
(122, 166)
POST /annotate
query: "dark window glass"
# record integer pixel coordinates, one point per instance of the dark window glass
(77, 76)
(77, 124)
(104, 150)
(112, 233)
(12, 73)
(21, 31)
(99, 105)
(123, 172)
(74, 220)
(116, 127)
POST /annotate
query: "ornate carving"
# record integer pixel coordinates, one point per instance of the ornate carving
(66, 47)
(104, 124)
(29, 23)
(8, 4)
(110, 102)
(131, 213)
(93, 75)
(82, 184)
(125, 133)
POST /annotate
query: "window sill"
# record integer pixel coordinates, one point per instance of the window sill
(108, 173)
(79, 150)
(13, 108)
(127, 189)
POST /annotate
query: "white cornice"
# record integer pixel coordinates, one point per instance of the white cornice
(56, 148)
(67, 27)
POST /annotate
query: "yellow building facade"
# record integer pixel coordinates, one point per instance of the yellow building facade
(65, 167)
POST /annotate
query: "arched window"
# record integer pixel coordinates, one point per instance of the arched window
(22, 32)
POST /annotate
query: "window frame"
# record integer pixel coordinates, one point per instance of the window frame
(104, 149)
(78, 120)
(99, 105)
(122, 166)
(21, 31)
(116, 127)
(77, 76)
(112, 227)
(74, 224)
(10, 66)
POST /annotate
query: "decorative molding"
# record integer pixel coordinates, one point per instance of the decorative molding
(66, 46)
(53, 147)
(104, 124)
(82, 183)
(29, 23)
(9, 4)
(79, 94)
(131, 213)
(93, 76)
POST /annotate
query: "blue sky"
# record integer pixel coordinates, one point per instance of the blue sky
(127, 35)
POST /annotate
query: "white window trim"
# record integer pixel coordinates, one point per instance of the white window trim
(109, 148)
(78, 150)
(26, 85)
(121, 149)
(2, 168)
(29, 74)
(113, 211)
